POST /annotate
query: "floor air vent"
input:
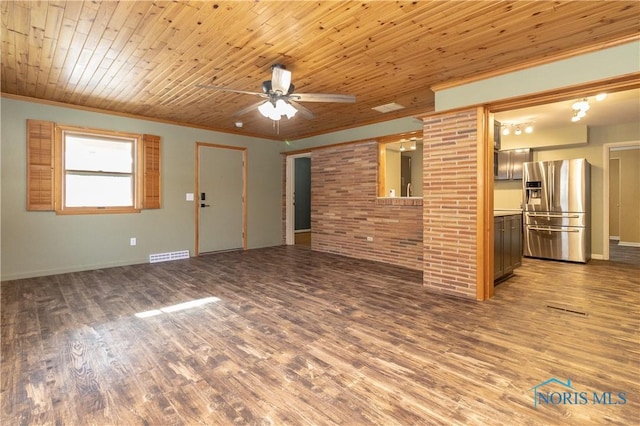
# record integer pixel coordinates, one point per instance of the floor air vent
(568, 310)
(165, 257)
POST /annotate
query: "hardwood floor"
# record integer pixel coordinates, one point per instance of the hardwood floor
(624, 254)
(303, 239)
(301, 337)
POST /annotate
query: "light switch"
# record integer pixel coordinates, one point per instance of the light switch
(189, 196)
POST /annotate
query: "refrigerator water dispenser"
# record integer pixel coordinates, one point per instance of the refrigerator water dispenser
(533, 192)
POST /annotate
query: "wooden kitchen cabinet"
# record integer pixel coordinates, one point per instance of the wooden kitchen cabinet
(509, 163)
(507, 245)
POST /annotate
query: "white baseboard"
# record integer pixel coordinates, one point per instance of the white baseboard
(628, 244)
(597, 256)
(614, 238)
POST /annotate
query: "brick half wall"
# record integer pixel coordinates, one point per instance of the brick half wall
(345, 209)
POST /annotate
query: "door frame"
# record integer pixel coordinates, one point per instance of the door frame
(289, 190)
(197, 193)
(484, 265)
(606, 156)
(614, 160)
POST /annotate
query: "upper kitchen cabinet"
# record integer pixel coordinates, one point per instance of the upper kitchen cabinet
(509, 163)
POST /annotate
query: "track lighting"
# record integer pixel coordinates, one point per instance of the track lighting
(516, 128)
(575, 117)
(402, 148)
(581, 107)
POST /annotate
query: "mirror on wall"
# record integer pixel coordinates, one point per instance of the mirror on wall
(400, 173)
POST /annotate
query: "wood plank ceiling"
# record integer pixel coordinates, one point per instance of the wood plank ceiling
(145, 58)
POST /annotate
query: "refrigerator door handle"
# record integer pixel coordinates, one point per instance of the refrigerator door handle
(535, 228)
(575, 216)
(552, 180)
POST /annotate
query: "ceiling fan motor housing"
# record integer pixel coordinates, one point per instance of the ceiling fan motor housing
(267, 88)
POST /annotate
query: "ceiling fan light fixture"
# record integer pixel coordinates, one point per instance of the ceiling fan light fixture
(268, 110)
(285, 108)
(275, 111)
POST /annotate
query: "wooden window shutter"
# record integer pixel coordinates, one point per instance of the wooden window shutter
(151, 195)
(40, 143)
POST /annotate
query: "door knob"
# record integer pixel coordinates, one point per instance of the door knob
(205, 205)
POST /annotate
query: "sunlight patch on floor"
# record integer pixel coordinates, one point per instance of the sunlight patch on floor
(179, 307)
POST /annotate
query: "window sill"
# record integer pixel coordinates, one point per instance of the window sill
(92, 210)
(399, 201)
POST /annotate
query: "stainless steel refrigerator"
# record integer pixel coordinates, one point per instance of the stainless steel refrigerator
(557, 204)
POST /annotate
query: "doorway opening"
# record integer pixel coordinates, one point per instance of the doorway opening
(621, 223)
(298, 200)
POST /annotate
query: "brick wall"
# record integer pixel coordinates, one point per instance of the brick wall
(345, 210)
(450, 203)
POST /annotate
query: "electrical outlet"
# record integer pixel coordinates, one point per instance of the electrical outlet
(132, 241)
(369, 238)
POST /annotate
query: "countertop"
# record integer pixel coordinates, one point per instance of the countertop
(506, 212)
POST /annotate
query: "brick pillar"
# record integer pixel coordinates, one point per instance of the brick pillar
(450, 202)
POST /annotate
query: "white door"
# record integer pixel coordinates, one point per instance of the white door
(220, 198)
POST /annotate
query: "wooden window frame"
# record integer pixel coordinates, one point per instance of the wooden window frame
(45, 174)
(60, 171)
(382, 162)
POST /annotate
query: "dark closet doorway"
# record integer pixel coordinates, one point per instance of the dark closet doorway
(302, 201)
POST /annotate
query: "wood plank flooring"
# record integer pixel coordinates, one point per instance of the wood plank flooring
(624, 254)
(303, 239)
(297, 337)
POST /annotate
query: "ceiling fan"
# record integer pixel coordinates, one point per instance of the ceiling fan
(280, 98)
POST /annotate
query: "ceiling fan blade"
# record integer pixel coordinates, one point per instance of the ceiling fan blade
(323, 97)
(280, 80)
(224, 89)
(302, 110)
(250, 108)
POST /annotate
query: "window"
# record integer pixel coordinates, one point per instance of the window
(99, 172)
(400, 165)
(92, 171)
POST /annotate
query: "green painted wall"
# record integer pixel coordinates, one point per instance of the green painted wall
(595, 66)
(371, 131)
(42, 243)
